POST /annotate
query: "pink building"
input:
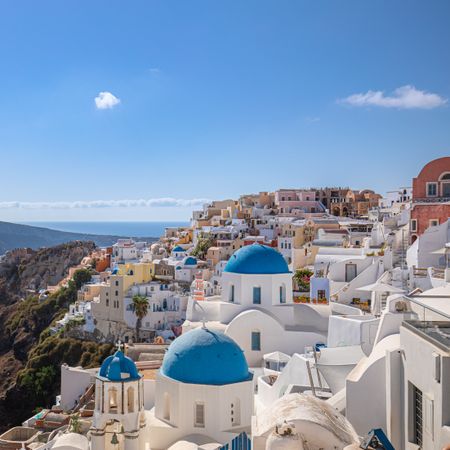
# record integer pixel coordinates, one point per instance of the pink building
(287, 200)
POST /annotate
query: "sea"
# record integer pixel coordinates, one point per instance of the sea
(125, 229)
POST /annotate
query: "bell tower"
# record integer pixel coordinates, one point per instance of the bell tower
(119, 405)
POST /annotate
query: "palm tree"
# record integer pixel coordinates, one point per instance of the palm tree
(140, 307)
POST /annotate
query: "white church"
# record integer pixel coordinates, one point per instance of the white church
(256, 307)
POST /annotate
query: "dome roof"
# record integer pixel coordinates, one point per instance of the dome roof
(203, 356)
(119, 367)
(190, 261)
(178, 249)
(257, 259)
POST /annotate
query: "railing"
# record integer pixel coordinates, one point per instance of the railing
(85, 398)
(420, 272)
(431, 322)
(431, 200)
(241, 442)
(437, 273)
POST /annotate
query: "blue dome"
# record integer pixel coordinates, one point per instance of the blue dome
(119, 367)
(203, 356)
(178, 249)
(257, 259)
(190, 261)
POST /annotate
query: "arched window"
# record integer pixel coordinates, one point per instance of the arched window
(130, 399)
(166, 412)
(112, 400)
(445, 176)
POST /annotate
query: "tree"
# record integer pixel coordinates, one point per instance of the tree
(202, 247)
(140, 307)
(82, 276)
(75, 424)
(302, 278)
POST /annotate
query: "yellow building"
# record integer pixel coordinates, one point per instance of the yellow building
(136, 273)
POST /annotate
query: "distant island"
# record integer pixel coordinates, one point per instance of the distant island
(14, 235)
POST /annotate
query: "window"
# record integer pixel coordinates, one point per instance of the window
(283, 294)
(434, 222)
(431, 189)
(256, 295)
(321, 294)
(166, 412)
(199, 415)
(414, 225)
(130, 398)
(107, 302)
(235, 412)
(117, 283)
(232, 293)
(256, 341)
(117, 293)
(112, 392)
(417, 416)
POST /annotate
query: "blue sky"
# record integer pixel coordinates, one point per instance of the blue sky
(213, 99)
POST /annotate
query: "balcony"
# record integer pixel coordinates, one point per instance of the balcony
(432, 322)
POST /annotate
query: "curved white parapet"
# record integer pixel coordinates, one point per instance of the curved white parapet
(336, 363)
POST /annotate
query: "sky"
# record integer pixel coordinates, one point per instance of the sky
(143, 110)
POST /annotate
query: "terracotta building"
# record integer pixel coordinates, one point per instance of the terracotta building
(348, 202)
(431, 197)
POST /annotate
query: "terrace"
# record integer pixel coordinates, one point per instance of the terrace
(433, 318)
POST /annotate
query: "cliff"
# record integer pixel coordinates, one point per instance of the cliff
(30, 357)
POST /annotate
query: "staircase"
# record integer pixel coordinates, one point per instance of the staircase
(87, 397)
(399, 246)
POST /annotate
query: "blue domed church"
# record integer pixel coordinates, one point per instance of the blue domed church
(204, 392)
(256, 307)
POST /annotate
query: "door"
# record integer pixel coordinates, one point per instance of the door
(350, 272)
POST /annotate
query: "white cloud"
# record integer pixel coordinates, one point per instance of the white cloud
(106, 100)
(149, 203)
(405, 97)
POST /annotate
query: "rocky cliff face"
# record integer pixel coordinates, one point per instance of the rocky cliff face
(29, 356)
(25, 271)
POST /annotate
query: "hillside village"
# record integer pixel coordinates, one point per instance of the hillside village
(302, 318)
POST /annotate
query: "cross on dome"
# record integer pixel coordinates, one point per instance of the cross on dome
(119, 345)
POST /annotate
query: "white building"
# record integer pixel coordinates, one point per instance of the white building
(124, 250)
(256, 307)
(166, 307)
